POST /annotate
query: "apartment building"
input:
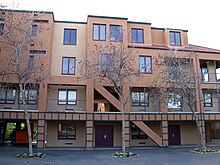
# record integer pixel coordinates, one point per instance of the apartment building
(71, 111)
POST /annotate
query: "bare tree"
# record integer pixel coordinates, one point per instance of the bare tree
(18, 33)
(113, 65)
(180, 84)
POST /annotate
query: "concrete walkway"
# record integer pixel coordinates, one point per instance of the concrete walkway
(148, 156)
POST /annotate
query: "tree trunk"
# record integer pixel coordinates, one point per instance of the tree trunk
(22, 90)
(201, 137)
(123, 126)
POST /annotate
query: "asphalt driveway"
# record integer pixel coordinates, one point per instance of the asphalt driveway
(148, 156)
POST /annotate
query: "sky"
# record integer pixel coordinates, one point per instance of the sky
(200, 17)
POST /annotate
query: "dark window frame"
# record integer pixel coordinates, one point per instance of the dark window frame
(174, 95)
(99, 32)
(66, 101)
(66, 131)
(175, 39)
(6, 100)
(31, 62)
(145, 67)
(140, 134)
(205, 100)
(2, 25)
(136, 33)
(68, 73)
(27, 98)
(70, 38)
(116, 36)
(34, 30)
(140, 103)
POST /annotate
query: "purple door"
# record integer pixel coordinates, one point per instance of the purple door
(174, 135)
(104, 136)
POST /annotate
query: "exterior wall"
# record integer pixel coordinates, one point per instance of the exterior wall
(188, 132)
(52, 135)
(52, 101)
(147, 33)
(155, 126)
(157, 37)
(60, 50)
(116, 132)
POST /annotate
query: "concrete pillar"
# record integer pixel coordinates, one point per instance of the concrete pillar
(89, 134)
(41, 131)
(42, 99)
(90, 97)
(127, 132)
(164, 129)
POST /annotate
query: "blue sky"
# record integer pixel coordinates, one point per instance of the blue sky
(201, 18)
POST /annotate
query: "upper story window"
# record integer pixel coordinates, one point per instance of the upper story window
(1, 28)
(137, 36)
(7, 96)
(38, 52)
(69, 37)
(175, 38)
(145, 63)
(107, 61)
(140, 98)
(30, 96)
(116, 33)
(31, 62)
(66, 131)
(99, 32)
(67, 97)
(34, 30)
(68, 65)
(173, 72)
(207, 99)
(174, 100)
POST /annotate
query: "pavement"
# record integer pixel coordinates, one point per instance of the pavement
(147, 156)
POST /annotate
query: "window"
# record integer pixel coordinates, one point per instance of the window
(145, 64)
(40, 21)
(38, 51)
(137, 36)
(204, 71)
(136, 133)
(173, 72)
(1, 28)
(7, 96)
(68, 65)
(174, 101)
(175, 38)
(67, 96)
(139, 98)
(207, 99)
(99, 32)
(31, 62)
(34, 30)
(107, 61)
(115, 33)
(69, 37)
(30, 96)
(66, 131)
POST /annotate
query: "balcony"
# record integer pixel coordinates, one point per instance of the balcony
(210, 77)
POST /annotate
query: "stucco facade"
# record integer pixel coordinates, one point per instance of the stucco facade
(72, 111)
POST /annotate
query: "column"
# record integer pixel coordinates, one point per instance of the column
(41, 131)
(89, 134)
(164, 128)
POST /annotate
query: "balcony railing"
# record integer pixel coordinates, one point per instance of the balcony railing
(70, 105)
(210, 77)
